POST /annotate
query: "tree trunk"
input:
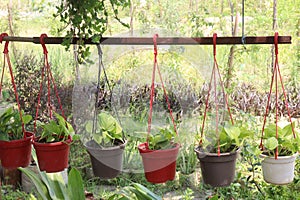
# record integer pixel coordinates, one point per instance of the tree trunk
(77, 72)
(160, 10)
(197, 5)
(190, 4)
(230, 68)
(222, 6)
(274, 27)
(221, 18)
(11, 27)
(131, 17)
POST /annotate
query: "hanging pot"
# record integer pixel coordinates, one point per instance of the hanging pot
(53, 157)
(217, 171)
(159, 165)
(106, 162)
(16, 153)
(280, 171)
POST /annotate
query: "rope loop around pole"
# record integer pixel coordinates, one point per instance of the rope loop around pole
(155, 46)
(42, 41)
(6, 43)
(215, 43)
(276, 43)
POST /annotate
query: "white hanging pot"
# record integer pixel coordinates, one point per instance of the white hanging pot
(278, 171)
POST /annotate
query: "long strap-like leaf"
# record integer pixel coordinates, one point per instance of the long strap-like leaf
(75, 185)
(40, 186)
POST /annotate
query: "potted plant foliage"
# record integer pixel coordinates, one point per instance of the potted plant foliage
(218, 169)
(279, 170)
(53, 144)
(159, 155)
(15, 142)
(106, 146)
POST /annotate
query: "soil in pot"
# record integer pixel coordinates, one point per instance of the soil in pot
(53, 157)
(280, 171)
(16, 153)
(159, 165)
(106, 162)
(217, 171)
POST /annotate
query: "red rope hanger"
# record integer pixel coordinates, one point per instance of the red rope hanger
(214, 77)
(155, 66)
(46, 71)
(7, 59)
(276, 73)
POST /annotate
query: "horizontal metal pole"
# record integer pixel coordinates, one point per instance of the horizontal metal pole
(161, 40)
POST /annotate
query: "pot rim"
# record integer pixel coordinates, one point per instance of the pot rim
(147, 150)
(68, 141)
(120, 146)
(13, 143)
(197, 150)
(29, 136)
(279, 157)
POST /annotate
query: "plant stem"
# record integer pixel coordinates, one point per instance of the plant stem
(253, 174)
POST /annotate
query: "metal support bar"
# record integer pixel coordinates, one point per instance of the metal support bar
(160, 40)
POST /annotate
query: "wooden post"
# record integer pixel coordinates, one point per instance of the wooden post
(11, 177)
(160, 41)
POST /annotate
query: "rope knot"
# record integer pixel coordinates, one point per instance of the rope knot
(42, 41)
(215, 43)
(276, 42)
(155, 43)
(6, 43)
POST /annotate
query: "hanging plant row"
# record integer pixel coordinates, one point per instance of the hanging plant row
(217, 150)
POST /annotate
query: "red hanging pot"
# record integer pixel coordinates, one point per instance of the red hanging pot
(159, 165)
(53, 157)
(16, 153)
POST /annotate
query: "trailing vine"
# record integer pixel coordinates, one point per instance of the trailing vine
(88, 19)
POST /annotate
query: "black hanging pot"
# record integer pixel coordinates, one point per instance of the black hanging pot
(217, 171)
(106, 161)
